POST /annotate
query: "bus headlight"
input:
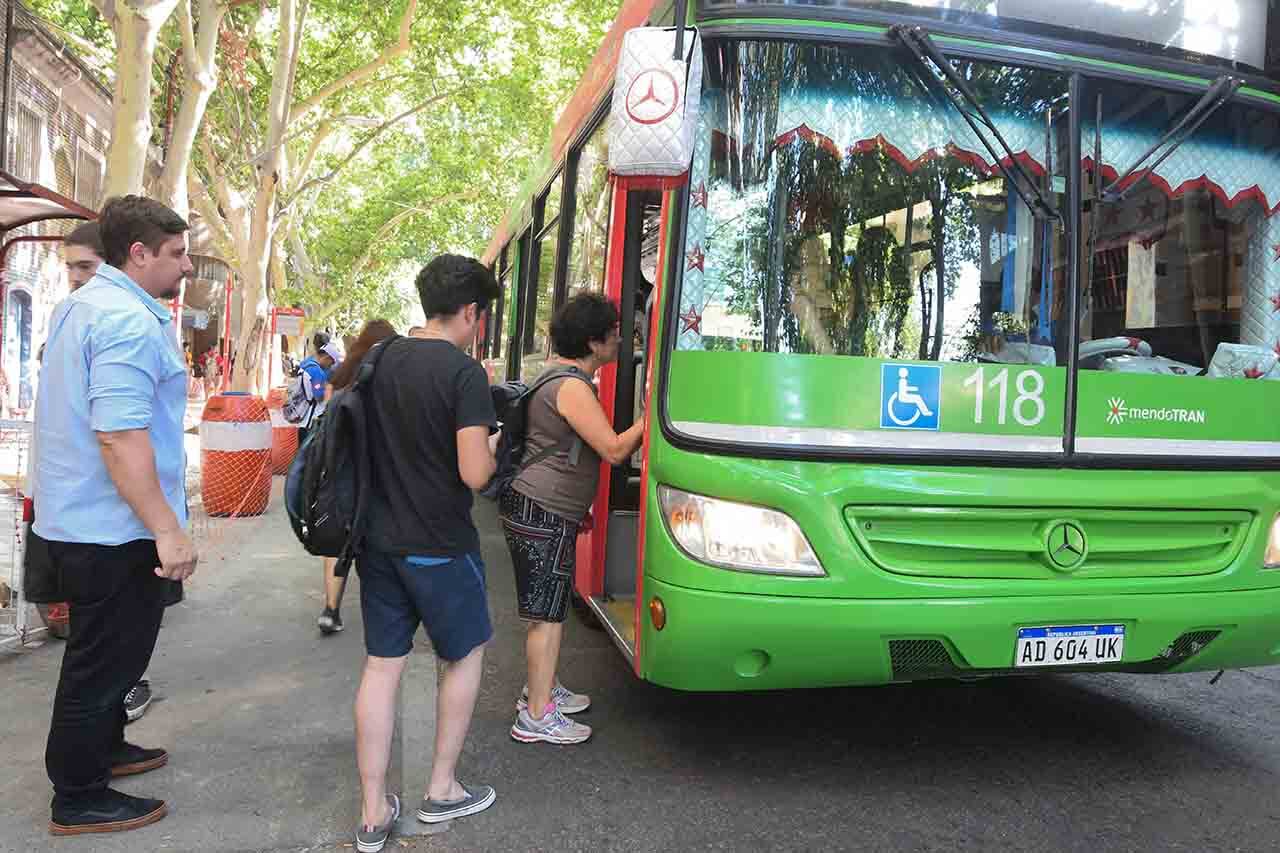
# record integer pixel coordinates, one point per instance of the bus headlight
(737, 536)
(1271, 558)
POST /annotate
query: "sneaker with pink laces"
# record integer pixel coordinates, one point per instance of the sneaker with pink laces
(552, 727)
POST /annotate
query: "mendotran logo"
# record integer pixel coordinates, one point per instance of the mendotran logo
(1118, 413)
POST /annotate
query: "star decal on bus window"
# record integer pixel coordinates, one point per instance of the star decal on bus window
(697, 259)
(699, 196)
(691, 321)
(1275, 302)
(1254, 372)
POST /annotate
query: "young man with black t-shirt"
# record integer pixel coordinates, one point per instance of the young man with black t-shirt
(431, 421)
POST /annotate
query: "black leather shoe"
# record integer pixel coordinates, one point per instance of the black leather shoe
(130, 760)
(108, 811)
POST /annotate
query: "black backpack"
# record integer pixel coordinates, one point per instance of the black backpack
(511, 404)
(327, 488)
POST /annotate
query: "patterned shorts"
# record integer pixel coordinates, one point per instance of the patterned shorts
(543, 549)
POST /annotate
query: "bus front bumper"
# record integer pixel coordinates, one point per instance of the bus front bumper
(729, 641)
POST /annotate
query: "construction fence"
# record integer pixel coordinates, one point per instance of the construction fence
(235, 450)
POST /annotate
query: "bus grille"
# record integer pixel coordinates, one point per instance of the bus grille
(921, 659)
(1179, 651)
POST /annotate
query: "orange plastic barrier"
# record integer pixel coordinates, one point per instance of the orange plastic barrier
(284, 435)
(235, 455)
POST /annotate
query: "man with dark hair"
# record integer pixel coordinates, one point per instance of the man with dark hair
(82, 252)
(131, 220)
(109, 474)
(432, 417)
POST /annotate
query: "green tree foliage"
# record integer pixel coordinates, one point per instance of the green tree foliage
(493, 81)
(418, 158)
(79, 23)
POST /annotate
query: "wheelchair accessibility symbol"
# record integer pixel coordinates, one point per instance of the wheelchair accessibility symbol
(910, 396)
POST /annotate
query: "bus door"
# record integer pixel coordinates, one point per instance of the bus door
(613, 567)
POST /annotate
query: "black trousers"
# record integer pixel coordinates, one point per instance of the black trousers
(116, 602)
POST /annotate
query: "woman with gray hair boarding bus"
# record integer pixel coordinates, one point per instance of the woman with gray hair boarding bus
(568, 434)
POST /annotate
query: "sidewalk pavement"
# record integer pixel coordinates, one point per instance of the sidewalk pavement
(254, 706)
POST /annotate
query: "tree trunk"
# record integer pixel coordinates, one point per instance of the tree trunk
(136, 26)
(201, 78)
(265, 225)
(255, 256)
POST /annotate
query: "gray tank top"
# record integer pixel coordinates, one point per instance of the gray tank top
(565, 482)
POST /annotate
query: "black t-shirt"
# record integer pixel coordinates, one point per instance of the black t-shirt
(424, 391)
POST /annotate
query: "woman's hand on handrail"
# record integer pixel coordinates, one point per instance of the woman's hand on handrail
(583, 411)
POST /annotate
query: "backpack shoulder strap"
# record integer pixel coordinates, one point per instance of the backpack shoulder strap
(557, 373)
(572, 445)
(371, 359)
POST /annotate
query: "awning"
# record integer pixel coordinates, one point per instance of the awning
(23, 203)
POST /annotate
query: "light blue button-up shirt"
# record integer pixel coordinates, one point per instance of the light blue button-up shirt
(111, 363)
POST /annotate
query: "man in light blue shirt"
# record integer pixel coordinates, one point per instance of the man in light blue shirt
(109, 481)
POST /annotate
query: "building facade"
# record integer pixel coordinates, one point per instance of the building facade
(57, 120)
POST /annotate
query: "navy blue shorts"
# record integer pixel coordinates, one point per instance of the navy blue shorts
(446, 595)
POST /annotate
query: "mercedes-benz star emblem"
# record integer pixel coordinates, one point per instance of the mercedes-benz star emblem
(1067, 546)
(654, 94)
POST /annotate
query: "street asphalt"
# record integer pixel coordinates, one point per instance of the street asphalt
(256, 710)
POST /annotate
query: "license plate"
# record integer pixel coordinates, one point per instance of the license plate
(1069, 645)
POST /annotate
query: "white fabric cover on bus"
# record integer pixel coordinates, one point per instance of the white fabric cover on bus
(655, 103)
(1242, 361)
(1014, 352)
(1153, 364)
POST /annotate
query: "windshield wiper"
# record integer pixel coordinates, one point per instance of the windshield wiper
(1222, 90)
(938, 69)
(1219, 92)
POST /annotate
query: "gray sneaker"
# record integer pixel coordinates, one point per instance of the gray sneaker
(567, 702)
(371, 839)
(477, 799)
(137, 700)
(555, 727)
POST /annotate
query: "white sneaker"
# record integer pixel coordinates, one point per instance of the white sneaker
(555, 727)
(567, 702)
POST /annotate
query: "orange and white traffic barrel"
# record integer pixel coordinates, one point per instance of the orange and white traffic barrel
(235, 455)
(284, 435)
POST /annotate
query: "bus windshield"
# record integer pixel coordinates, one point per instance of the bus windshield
(836, 188)
(840, 209)
(1185, 278)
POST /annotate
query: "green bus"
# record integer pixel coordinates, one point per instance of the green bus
(958, 341)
